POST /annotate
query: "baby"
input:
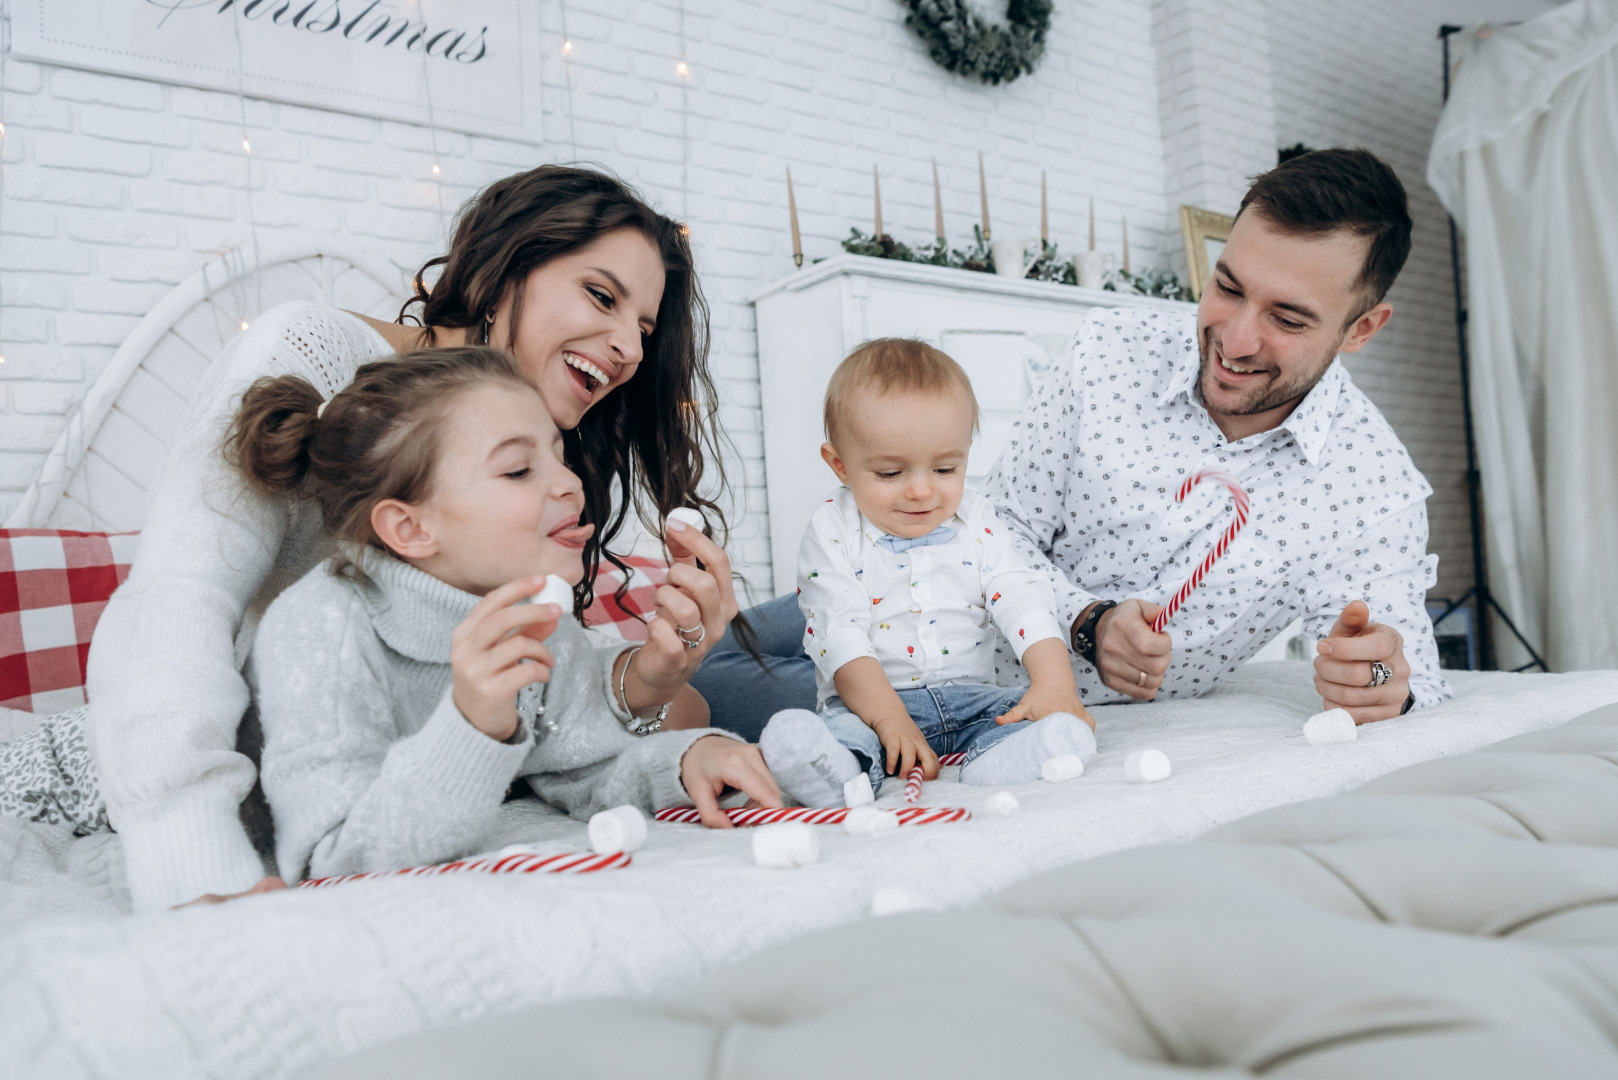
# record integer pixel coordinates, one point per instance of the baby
(899, 575)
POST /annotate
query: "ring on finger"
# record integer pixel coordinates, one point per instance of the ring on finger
(1142, 680)
(700, 630)
(1380, 673)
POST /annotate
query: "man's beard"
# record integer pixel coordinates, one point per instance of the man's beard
(1266, 396)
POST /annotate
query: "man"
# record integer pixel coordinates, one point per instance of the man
(1142, 399)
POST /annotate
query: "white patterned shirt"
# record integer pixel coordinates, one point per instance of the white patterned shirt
(1087, 482)
(923, 613)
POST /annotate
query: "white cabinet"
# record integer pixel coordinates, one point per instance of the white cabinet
(1003, 331)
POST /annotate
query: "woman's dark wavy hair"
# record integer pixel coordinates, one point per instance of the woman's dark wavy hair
(653, 438)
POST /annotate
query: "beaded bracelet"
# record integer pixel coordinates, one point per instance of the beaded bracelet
(637, 725)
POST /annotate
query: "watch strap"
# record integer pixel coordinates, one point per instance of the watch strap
(1084, 634)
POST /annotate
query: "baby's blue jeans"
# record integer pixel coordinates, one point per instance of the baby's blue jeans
(953, 719)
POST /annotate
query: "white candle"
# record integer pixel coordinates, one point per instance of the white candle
(938, 204)
(876, 182)
(983, 196)
(792, 211)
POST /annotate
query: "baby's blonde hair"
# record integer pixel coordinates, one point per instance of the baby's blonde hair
(893, 364)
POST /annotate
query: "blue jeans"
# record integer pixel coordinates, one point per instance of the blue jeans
(743, 693)
(953, 719)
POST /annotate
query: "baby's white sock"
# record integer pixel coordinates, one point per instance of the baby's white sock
(1017, 758)
(807, 760)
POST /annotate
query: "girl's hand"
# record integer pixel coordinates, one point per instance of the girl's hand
(269, 884)
(696, 599)
(713, 763)
(487, 652)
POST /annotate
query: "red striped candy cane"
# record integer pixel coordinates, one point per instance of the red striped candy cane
(913, 783)
(910, 815)
(951, 759)
(572, 862)
(1239, 494)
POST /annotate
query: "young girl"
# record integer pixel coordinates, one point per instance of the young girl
(405, 685)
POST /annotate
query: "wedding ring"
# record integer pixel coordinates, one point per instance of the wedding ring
(1380, 673)
(1142, 680)
(691, 643)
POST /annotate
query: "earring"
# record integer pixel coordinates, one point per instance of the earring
(488, 323)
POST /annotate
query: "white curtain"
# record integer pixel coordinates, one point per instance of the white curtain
(1526, 159)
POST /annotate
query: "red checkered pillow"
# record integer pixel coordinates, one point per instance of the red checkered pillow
(53, 585)
(624, 620)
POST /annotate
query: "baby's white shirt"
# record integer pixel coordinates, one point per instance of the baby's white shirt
(924, 613)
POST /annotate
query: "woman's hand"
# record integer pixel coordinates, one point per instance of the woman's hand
(487, 652)
(713, 763)
(695, 604)
(269, 884)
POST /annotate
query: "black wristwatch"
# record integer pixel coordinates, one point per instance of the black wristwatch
(1084, 632)
(1410, 703)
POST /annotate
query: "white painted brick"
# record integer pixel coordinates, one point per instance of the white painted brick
(91, 155)
(45, 363)
(38, 114)
(49, 399)
(135, 126)
(110, 297)
(32, 290)
(130, 230)
(89, 87)
(28, 220)
(43, 256)
(160, 196)
(80, 328)
(23, 432)
(24, 324)
(58, 186)
(226, 108)
(22, 77)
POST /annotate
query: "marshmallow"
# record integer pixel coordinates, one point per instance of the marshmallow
(1056, 770)
(623, 828)
(687, 516)
(785, 844)
(1146, 767)
(864, 820)
(1002, 802)
(893, 900)
(556, 591)
(1329, 727)
(857, 792)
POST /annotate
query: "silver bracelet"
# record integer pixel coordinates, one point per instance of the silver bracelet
(638, 725)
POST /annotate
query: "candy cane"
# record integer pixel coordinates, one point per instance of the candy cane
(951, 759)
(572, 862)
(910, 815)
(1236, 524)
(913, 783)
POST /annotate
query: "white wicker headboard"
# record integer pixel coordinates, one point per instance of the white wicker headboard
(102, 471)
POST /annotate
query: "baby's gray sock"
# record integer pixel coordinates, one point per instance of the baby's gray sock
(807, 760)
(1016, 759)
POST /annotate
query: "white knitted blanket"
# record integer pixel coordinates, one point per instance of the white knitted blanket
(267, 986)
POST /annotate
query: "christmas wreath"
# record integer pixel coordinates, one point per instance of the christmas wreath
(966, 43)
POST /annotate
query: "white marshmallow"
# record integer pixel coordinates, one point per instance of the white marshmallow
(687, 516)
(1146, 767)
(1001, 802)
(623, 828)
(785, 844)
(1329, 727)
(556, 591)
(1057, 770)
(864, 820)
(857, 792)
(893, 900)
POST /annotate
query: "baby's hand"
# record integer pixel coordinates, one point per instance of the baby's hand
(1039, 702)
(905, 745)
(487, 652)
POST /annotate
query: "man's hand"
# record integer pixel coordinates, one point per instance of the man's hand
(1343, 668)
(1133, 660)
(905, 745)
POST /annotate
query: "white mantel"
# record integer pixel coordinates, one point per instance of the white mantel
(1003, 331)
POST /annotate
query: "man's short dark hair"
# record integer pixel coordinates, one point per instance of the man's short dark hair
(1323, 191)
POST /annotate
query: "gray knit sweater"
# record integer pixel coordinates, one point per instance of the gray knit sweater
(368, 764)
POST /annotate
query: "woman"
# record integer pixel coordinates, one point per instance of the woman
(585, 285)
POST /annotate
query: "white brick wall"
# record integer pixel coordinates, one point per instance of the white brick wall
(115, 189)
(1370, 75)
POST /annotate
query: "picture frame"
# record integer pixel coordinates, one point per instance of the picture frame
(1205, 233)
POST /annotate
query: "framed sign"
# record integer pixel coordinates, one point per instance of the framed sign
(462, 65)
(1205, 233)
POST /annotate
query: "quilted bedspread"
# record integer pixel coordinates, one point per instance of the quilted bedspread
(268, 986)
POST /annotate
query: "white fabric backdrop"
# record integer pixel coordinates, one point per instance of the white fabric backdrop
(1526, 159)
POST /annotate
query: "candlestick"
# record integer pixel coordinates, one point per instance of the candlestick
(876, 182)
(938, 205)
(1126, 245)
(792, 212)
(1092, 223)
(983, 196)
(1044, 215)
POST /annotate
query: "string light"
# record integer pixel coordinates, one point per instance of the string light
(435, 168)
(681, 70)
(247, 146)
(567, 48)
(245, 324)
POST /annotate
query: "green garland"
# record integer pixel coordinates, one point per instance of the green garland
(964, 42)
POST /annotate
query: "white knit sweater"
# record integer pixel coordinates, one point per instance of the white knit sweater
(368, 764)
(165, 685)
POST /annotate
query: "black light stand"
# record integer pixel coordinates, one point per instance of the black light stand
(1482, 597)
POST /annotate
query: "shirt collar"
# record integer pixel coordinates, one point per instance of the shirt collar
(1310, 422)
